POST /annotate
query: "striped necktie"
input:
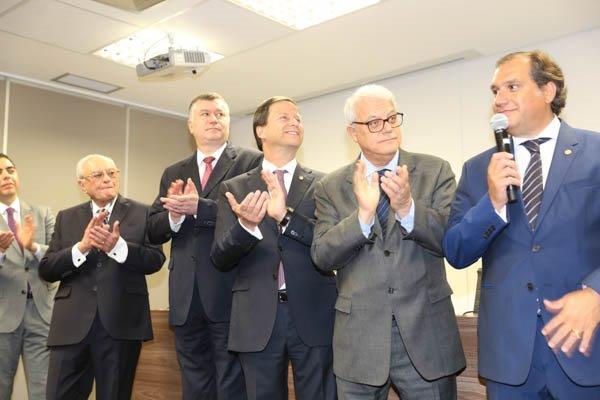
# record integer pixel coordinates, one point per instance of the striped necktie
(383, 207)
(533, 183)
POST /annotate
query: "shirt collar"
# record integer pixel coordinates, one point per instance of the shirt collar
(370, 168)
(15, 205)
(290, 167)
(108, 207)
(550, 131)
(200, 156)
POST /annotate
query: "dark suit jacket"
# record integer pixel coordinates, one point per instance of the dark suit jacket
(118, 292)
(311, 292)
(403, 275)
(520, 265)
(190, 247)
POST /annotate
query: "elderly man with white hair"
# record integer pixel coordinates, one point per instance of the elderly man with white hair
(101, 255)
(380, 223)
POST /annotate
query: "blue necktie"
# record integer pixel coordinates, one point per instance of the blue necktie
(383, 207)
(533, 183)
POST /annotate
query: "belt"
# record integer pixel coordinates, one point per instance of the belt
(282, 296)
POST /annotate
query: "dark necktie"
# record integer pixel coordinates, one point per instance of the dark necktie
(208, 168)
(280, 274)
(533, 183)
(383, 207)
(10, 219)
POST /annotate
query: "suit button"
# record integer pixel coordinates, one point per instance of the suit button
(95, 288)
(23, 292)
(26, 268)
(274, 277)
(280, 248)
(391, 290)
(99, 264)
(536, 248)
(194, 258)
(530, 286)
(386, 253)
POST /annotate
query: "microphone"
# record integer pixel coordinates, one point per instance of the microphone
(499, 123)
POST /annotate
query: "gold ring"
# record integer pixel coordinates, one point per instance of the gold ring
(576, 333)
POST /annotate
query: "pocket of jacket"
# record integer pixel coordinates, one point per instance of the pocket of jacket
(63, 292)
(343, 304)
(439, 292)
(240, 285)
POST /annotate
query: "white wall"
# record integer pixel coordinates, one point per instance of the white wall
(447, 109)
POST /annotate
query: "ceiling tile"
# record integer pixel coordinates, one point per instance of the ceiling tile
(226, 28)
(64, 26)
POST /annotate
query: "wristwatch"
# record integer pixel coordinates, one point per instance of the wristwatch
(286, 218)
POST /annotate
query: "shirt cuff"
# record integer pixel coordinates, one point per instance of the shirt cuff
(366, 228)
(255, 232)
(176, 225)
(502, 213)
(38, 254)
(408, 222)
(120, 251)
(77, 256)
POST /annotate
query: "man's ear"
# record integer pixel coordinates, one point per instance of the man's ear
(549, 92)
(352, 133)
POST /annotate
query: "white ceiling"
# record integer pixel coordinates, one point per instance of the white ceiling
(42, 39)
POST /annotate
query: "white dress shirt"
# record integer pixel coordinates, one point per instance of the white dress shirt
(408, 222)
(16, 206)
(200, 156)
(118, 253)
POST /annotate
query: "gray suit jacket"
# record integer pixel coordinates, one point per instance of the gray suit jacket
(18, 268)
(402, 276)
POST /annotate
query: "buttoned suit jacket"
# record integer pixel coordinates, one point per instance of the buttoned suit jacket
(521, 265)
(255, 262)
(402, 275)
(117, 292)
(20, 267)
(190, 246)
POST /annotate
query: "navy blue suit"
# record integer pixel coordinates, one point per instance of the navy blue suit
(521, 265)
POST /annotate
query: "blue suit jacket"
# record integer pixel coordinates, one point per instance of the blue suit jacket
(520, 265)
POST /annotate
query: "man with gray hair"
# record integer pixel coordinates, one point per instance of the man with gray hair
(101, 255)
(380, 223)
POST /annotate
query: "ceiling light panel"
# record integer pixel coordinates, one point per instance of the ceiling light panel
(300, 14)
(148, 43)
(86, 83)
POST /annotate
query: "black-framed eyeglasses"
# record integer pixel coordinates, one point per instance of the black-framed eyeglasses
(376, 125)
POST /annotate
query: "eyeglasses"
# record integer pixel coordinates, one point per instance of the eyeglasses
(376, 125)
(97, 176)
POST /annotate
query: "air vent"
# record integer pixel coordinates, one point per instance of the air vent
(130, 5)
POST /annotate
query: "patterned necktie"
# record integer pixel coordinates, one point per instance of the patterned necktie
(208, 168)
(533, 183)
(100, 211)
(383, 207)
(10, 219)
(280, 274)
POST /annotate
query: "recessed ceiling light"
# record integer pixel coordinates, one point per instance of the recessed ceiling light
(148, 43)
(302, 14)
(86, 83)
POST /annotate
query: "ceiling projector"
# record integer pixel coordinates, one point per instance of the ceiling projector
(177, 63)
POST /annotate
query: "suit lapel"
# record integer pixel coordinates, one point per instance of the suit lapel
(221, 167)
(4, 227)
(567, 147)
(301, 181)
(189, 169)
(119, 210)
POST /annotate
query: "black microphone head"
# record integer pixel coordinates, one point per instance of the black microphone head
(499, 122)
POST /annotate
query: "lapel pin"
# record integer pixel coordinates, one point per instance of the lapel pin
(568, 152)
(301, 177)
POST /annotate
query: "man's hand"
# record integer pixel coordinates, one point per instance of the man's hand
(26, 233)
(366, 192)
(86, 243)
(397, 187)
(276, 203)
(6, 238)
(105, 239)
(180, 202)
(251, 210)
(502, 172)
(576, 321)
